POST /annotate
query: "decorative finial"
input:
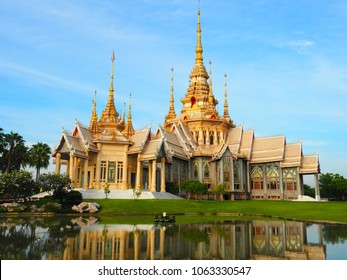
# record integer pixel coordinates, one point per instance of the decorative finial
(124, 111)
(93, 126)
(198, 49)
(225, 85)
(226, 106)
(210, 93)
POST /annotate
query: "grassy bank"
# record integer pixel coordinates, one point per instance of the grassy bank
(314, 211)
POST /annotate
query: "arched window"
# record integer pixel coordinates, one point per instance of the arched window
(185, 118)
(213, 117)
(196, 171)
(206, 171)
(211, 138)
(257, 177)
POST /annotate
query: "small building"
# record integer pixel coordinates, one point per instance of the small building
(199, 143)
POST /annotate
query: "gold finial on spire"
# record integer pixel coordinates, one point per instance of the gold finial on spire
(198, 49)
(124, 113)
(226, 106)
(110, 113)
(210, 95)
(93, 126)
(172, 100)
(112, 71)
(129, 129)
(169, 118)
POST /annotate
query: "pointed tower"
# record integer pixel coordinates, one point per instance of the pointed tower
(129, 129)
(226, 106)
(199, 112)
(197, 95)
(109, 122)
(93, 126)
(171, 116)
(110, 113)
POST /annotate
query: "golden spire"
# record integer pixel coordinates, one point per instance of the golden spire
(110, 113)
(226, 107)
(210, 95)
(198, 49)
(172, 101)
(171, 114)
(196, 100)
(124, 112)
(93, 126)
(129, 129)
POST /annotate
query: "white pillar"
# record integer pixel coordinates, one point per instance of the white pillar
(57, 163)
(154, 177)
(316, 185)
(138, 173)
(85, 174)
(162, 178)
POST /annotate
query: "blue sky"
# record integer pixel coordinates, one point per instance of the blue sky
(286, 63)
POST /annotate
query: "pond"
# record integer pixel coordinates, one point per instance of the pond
(88, 238)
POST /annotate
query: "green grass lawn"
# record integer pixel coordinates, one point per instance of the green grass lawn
(315, 211)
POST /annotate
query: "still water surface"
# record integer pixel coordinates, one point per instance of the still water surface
(77, 238)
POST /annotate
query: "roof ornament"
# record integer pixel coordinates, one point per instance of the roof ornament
(226, 106)
(198, 49)
(210, 95)
(93, 125)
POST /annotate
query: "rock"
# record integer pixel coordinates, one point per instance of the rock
(86, 207)
(13, 207)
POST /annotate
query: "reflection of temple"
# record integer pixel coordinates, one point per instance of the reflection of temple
(199, 143)
(236, 240)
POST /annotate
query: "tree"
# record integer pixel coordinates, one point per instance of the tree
(333, 186)
(309, 191)
(57, 183)
(39, 155)
(15, 152)
(194, 187)
(17, 184)
(2, 136)
(219, 190)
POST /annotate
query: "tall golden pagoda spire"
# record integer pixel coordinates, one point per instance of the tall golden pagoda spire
(129, 129)
(110, 113)
(172, 100)
(198, 50)
(210, 95)
(197, 95)
(93, 126)
(226, 106)
(171, 114)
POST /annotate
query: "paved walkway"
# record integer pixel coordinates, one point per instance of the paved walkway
(127, 194)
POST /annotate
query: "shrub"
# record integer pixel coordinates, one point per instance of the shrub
(72, 198)
(172, 187)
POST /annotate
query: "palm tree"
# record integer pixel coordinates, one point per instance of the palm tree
(16, 149)
(39, 155)
(2, 135)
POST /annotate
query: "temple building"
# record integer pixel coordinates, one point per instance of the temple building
(199, 143)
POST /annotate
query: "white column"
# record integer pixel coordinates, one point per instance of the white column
(71, 168)
(85, 174)
(316, 186)
(138, 173)
(154, 177)
(162, 178)
(125, 168)
(57, 163)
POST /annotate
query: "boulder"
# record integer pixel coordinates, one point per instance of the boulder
(13, 207)
(86, 207)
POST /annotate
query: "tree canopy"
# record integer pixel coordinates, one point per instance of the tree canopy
(333, 186)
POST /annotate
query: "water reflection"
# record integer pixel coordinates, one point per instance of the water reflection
(86, 239)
